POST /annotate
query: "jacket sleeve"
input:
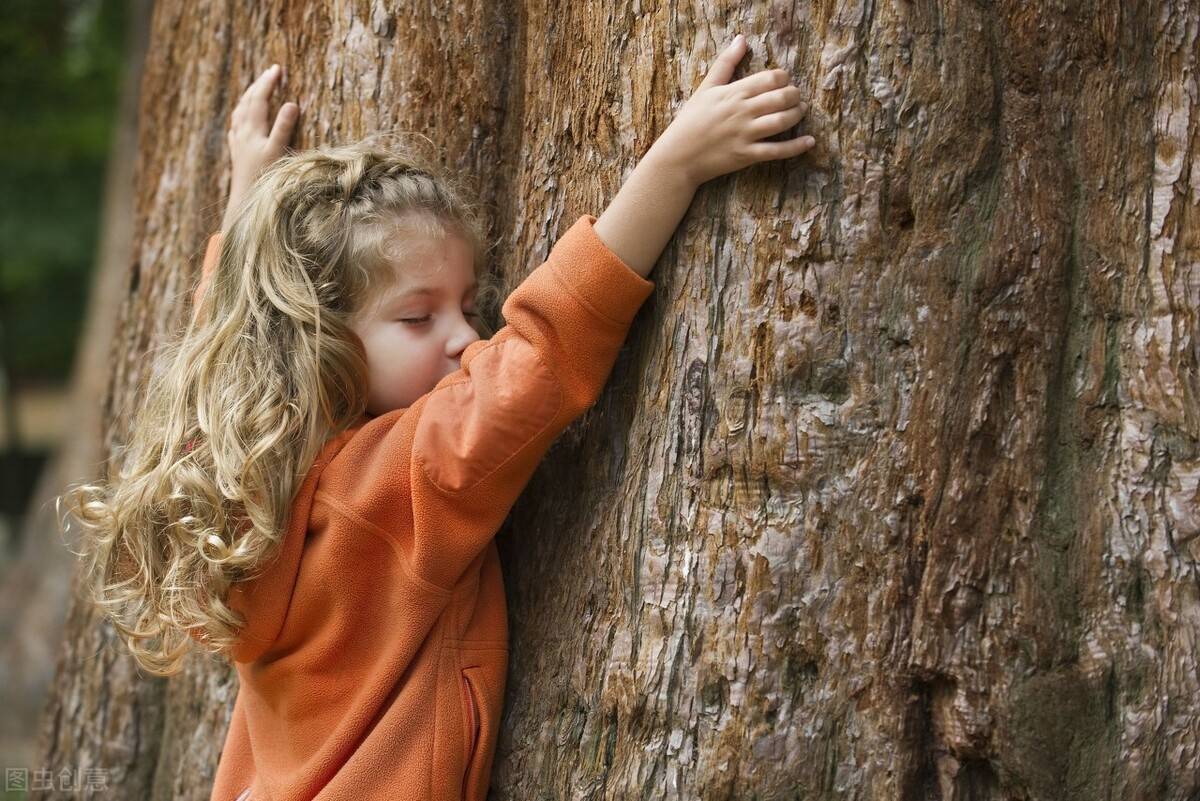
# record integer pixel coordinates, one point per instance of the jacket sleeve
(441, 475)
(211, 252)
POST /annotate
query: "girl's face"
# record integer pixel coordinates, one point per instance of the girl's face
(415, 333)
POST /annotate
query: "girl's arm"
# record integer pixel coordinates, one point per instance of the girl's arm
(440, 476)
(252, 145)
(716, 132)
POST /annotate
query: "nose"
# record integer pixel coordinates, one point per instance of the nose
(464, 334)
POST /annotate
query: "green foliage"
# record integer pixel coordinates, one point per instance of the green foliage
(60, 72)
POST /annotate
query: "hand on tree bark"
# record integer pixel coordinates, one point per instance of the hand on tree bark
(252, 145)
(716, 132)
(719, 129)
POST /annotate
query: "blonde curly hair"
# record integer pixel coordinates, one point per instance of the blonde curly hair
(240, 402)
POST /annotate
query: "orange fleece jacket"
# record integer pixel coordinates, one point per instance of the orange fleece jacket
(373, 663)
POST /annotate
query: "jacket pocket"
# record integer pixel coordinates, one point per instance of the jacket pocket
(478, 719)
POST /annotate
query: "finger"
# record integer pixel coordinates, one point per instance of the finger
(770, 124)
(266, 81)
(722, 69)
(259, 94)
(255, 102)
(246, 103)
(265, 78)
(285, 123)
(760, 82)
(777, 100)
(769, 151)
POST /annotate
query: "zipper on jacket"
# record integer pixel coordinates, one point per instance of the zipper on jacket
(473, 725)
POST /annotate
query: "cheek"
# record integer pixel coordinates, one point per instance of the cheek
(396, 350)
(381, 345)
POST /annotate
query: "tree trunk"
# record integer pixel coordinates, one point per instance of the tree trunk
(893, 493)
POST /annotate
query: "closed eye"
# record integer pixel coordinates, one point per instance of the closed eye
(425, 319)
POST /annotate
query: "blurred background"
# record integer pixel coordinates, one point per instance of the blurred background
(69, 71)
(59, 82)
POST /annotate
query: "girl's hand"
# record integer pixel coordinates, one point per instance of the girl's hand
(718, 130)
(251, 145)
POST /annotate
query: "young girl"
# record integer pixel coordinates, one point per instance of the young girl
(322, 458)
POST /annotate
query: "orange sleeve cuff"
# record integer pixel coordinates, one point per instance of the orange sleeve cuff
(211, 252)
(596, 276)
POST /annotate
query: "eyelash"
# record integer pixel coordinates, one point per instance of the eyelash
(425, 319)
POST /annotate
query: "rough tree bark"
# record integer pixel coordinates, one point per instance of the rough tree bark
(893, 493)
